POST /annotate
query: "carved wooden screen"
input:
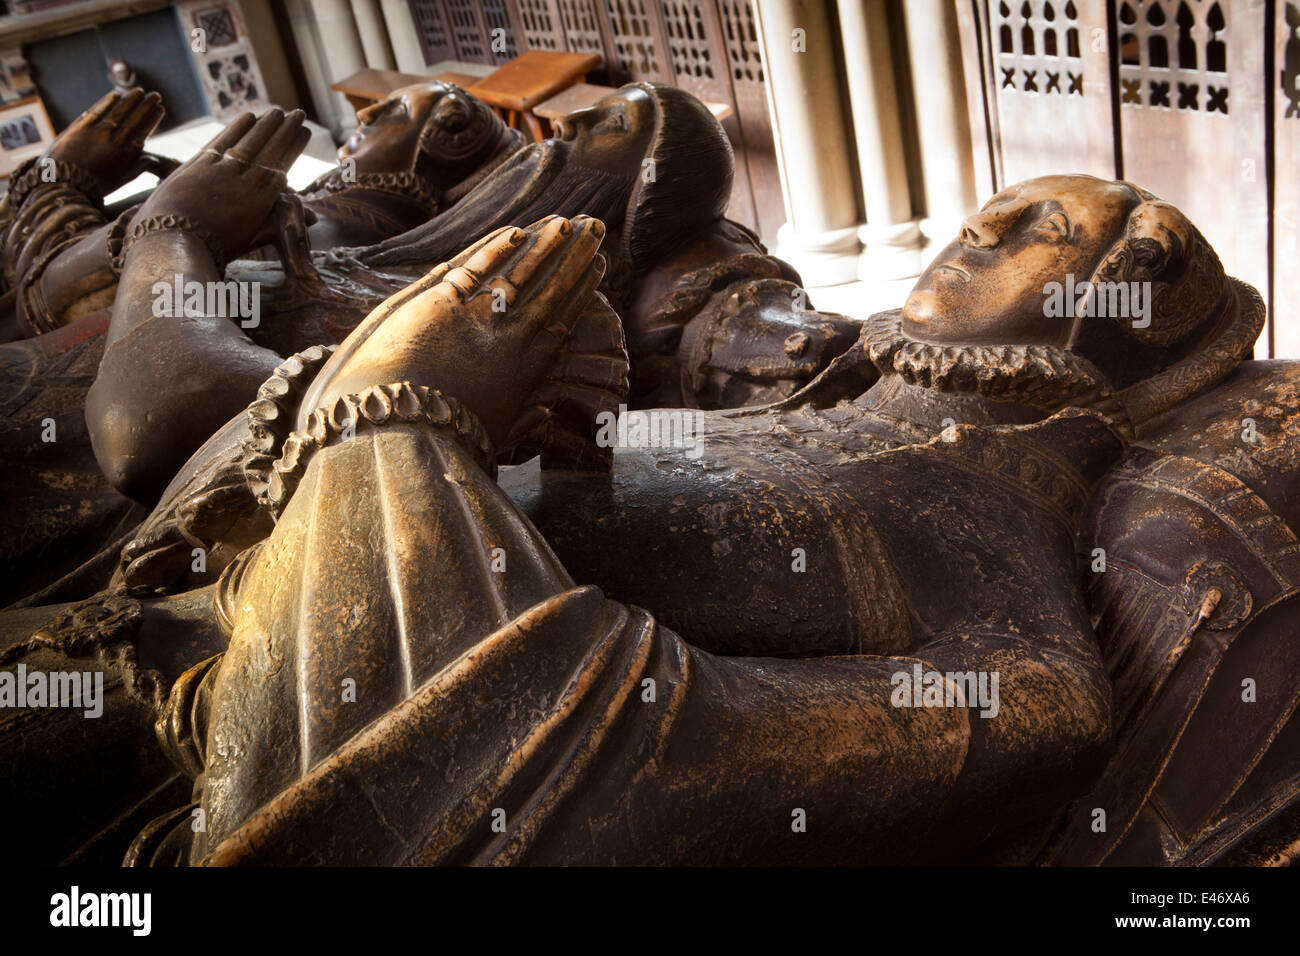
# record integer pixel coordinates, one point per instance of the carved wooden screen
(640, 45)
(1191, 113)
(580, 20)
(1050, 87)
(749, 95)
(694, 34)
(540, 22)
(432, 30)
(1286, 195)
(473, 41)
(709, 47)
(496, 20)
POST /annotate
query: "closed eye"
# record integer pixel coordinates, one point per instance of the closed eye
(1056, 223)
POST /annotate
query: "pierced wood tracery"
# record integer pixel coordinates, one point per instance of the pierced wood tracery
(1173, 54)
(1038, 47)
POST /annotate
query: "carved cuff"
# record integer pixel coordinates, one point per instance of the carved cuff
(116, 239)
(167, 223)
(34, 313)
(31, 176)
(379, 405)
(276, 456)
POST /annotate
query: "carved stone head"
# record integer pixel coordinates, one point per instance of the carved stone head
(434, 129)
(676, 150)
(614, 135)
(1102, 270)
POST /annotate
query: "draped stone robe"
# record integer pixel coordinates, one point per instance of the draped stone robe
(414, 678)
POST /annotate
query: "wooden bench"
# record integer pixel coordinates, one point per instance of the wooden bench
(581, 96)
(517, 88)
(367, 87)
(529, 92)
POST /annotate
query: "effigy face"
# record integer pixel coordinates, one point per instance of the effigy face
(986, 286)
(613, 135)
(436, 128)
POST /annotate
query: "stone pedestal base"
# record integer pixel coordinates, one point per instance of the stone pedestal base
(890, 252)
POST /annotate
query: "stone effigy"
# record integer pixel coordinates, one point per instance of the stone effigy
(412, 156)
(736, 328)
(712, 321)
(1005, 560)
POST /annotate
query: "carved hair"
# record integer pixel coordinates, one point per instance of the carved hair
(459, 134)
(689, 185)
(1187, 301)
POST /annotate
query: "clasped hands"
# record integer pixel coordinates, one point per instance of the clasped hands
(230, 188)
(485, 327)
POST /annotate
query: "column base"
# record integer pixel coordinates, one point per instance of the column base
(890, 252)
(824, 258)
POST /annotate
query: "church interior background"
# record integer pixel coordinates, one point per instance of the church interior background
(866, 135)
(863, 129)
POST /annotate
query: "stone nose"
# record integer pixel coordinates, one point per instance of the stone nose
(978, 233)
(985, 229)
(567, 127)
(369, 114)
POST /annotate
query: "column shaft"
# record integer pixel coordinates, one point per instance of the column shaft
(809, 128)
(401, 34)
(943, 125)
(341, 50)
(373, 33)
(891, 236)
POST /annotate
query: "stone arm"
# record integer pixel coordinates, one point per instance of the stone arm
(171, 376)
(414, 678)
(57, 244)
(167, 380)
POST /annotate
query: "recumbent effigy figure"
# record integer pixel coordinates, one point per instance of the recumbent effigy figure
(61, 252)
(412, 156)
(887, 631)
(734, 329)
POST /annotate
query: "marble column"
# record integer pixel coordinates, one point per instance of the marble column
(329, 110)
(373, 32)
(891, 237)
(943, 125)
(401, 35)
(340, 48)
(810, 131)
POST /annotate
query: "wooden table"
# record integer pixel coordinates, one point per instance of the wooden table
(580, 96)
(368, 86)
(516, 88)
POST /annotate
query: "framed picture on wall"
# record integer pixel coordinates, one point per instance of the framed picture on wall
(25, 131)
